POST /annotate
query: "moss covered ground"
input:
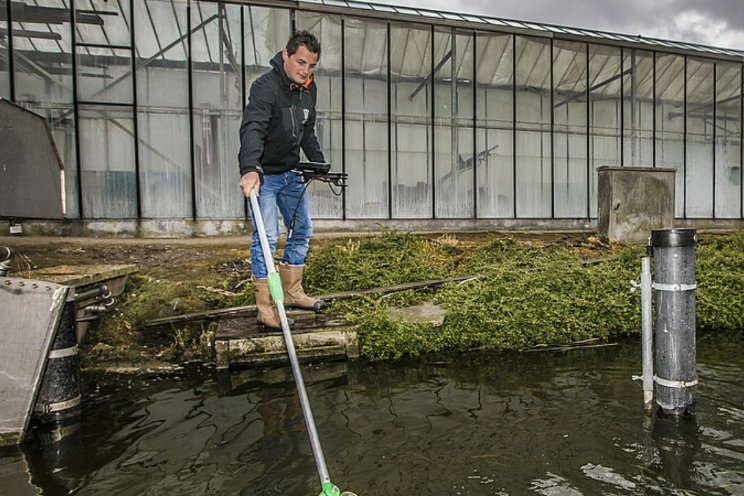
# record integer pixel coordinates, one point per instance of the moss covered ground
(529, 291)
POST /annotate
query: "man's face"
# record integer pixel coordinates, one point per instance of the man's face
(300, 65)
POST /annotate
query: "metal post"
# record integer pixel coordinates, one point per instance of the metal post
(674, 282)
(59, 396)
(647, 334)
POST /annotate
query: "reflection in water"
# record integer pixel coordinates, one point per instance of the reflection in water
(676, 438)
(51, 450)
(568, 423)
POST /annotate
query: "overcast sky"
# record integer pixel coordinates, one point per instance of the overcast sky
(710, 22)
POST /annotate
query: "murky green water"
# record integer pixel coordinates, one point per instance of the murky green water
(546, 423)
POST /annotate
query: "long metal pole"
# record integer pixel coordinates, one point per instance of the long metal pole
(275, 287)
(646, 335)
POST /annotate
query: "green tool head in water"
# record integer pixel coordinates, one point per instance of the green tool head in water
(329, 489)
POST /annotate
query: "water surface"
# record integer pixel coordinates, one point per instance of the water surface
(544, 423)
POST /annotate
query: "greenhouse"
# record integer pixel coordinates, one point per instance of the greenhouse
(438, 118)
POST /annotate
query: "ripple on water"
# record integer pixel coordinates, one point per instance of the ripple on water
(607, 476)
(554, 485)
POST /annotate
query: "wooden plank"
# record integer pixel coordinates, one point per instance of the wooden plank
(219, 313)
(244, 326)
(81, 275)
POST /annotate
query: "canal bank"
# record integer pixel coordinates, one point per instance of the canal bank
(520, 291)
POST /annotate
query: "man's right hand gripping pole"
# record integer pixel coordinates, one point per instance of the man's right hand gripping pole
(250, 181)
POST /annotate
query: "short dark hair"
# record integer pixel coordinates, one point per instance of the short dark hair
(303, 38)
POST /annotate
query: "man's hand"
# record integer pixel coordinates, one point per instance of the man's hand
(249, 181)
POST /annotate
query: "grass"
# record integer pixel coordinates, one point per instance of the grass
(545, 291)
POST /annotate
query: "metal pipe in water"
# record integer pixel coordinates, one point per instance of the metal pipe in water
(6, 254)
(674, 283)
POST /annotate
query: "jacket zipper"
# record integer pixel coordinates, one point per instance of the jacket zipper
(294, 124)
(295, 131)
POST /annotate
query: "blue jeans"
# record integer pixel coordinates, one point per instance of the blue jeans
(285, 191)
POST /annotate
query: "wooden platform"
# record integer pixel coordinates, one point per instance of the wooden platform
(240, 340)
(79, 276)
(82, 278)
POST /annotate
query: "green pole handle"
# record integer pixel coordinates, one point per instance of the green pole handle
(275, 287)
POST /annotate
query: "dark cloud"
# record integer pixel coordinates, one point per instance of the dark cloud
(711, 22)
(731, 11)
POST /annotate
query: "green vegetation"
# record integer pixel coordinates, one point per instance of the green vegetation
(550, 290)
(720, 277)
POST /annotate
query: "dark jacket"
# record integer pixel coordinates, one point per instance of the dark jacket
(278, 120)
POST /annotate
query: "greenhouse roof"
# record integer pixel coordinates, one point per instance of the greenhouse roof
(42, 38)
(475, 21)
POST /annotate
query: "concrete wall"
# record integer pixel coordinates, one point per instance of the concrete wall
(634, 200)
(323, 228)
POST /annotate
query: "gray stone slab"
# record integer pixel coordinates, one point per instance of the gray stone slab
(425, 313)
(31, 310)
(632, 201)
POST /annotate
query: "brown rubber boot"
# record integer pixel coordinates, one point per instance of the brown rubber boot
(294, 295)
(266, 312)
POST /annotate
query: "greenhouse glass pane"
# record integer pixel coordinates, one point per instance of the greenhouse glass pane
(359, 5)
(532, 81)
(605, 114)
(700, 130)
(482, 20)
(404, 10)
(43, 78)
(162, 112)
(104, 75)
(4, 56)
(383, 8)
(411, 114)
(103, 22)
(109, 184)
(366, 119)
(453, 124)
(670, 122)
(514, 24)
(495, 126)
(266, 33)
(452, 16)
(42, 51)
(536, 27)
(326, 203)
(728, 141)
(430, 13)
(569, 138)
(218, 108)
(638, 108)
(494, 63)
(161, 33)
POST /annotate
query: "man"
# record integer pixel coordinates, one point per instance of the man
(278, 121)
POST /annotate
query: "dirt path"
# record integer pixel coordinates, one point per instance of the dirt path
(158, 256)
